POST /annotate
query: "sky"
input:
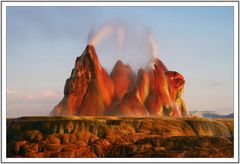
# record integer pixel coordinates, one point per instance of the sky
(43, 43)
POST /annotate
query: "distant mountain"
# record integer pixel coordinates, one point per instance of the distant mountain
(210, 114)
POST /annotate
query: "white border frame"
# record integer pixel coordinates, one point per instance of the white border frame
(236, 89)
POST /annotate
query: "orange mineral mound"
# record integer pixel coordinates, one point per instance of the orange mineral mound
(158, 102)
(123, 79)
(90, 91)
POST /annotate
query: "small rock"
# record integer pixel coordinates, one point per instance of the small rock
(52, 147)
(52, 139)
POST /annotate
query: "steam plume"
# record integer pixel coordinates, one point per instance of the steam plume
(154, 46)
(103, 32)
(120, 31)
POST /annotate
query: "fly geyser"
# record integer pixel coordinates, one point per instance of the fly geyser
(125, 112)
(91, 91)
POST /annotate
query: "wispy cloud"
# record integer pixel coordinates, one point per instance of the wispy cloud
(10, 91)
(30, 95)
(215, 84)
(26, 103)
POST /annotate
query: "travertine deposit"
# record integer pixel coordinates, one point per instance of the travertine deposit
(75, 136)
(91, 91)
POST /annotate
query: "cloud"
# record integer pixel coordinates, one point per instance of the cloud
(49, 93)
(9, 92)
(27, 103)
(215, 84)
(30, 95)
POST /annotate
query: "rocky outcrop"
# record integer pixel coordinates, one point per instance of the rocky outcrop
(90, 91)
(158, 102)
(132, 104)
(176, 85)
(228, 122)
(123, 79)
(89, 137)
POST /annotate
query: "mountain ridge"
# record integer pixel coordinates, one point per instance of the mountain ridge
(210, 114)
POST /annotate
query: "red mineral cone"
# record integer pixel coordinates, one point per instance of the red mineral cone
(176, 83)
(123, 79)
(158, 102)
(89, 90)
(132, 104)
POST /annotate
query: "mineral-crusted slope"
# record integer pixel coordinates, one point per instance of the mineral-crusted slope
(118, 137)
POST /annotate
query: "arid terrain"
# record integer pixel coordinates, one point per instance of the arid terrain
(120, 114)
(77, 136)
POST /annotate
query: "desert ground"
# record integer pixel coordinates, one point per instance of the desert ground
(91, 137)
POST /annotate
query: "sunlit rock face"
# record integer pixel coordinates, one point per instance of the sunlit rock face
(123, 79)
(155, 62)
(143, 84)
(132, 104)
(176, 85)
(209, 128)
(158, 102)
(176, 82)
(90, 91)
(77, 136)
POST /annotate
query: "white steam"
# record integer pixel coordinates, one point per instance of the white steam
(103, 32)
(120, 32)
(106, 30)
(132, 41)
(154, 46)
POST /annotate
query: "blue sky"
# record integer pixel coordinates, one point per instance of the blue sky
(43, 42)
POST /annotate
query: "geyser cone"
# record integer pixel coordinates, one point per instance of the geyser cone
(158, 101)
(143, 84)
(123, 79)
(89, 89)
(156, 61)
(132, 104)
(176, 83)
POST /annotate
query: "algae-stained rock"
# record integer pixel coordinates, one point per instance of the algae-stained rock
(52, 139)
(167, 127)
(84, 152)
(69, 147)
(118, 137)
(14, 147)
(229, 123)
(80, 143)
(100, 147)
(28, 148)
(123, 79)
(33, 135)
(35, 155)
(52, 147)
(122, 150)
(207, 127)
(89, 89)
(64, 154)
